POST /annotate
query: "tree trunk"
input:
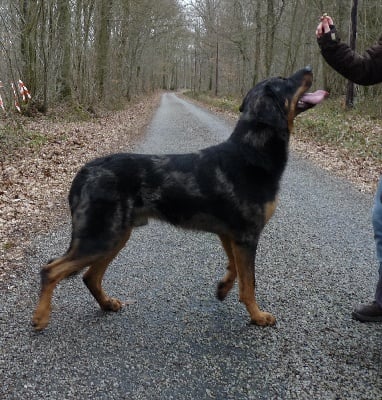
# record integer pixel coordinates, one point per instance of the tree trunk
(64, 40)
(269, 36)
(258, 38)
(102, 45)
(28, 31)
(349, 102)
(217, 66)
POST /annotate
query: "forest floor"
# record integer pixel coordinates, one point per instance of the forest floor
(35, 178)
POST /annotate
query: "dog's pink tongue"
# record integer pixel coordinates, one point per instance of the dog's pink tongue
(315, 97)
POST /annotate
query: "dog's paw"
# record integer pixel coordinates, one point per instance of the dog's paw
(263, 319)
(111, 304)
(221, 291)
(40, 319)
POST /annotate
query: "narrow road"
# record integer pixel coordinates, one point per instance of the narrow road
(316, 261)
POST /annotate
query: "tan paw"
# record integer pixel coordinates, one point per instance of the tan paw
(40, 319)
(111, 304)
(263, 319)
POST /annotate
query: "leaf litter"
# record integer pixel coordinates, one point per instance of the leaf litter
(35, 180)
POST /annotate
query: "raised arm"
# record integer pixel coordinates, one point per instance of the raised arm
(363, 69)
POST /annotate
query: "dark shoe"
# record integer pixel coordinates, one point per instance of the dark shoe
(368, 313)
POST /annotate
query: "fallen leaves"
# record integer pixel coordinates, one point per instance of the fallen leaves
(346, 142)
(34, 181)
(364, 173)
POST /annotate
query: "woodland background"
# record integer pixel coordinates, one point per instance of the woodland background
(95, 69)
(108, 51)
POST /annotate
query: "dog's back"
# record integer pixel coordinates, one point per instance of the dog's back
(221, 189)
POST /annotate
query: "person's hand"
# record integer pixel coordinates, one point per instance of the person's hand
(324, 25)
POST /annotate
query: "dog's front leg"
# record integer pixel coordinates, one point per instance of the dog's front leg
(245, 265)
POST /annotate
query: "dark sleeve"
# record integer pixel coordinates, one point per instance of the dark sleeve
(363, 69)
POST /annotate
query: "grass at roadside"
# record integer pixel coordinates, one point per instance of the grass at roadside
(358, 132)
(355, 131)
(225, 103)
(15, 135)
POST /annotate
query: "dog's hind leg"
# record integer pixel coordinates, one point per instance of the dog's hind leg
(93, 277)
(225, 285)
(51, 274)
(245, 264)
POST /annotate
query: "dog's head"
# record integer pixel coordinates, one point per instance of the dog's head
(277, 101)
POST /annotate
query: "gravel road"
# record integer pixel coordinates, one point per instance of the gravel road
(316, 261)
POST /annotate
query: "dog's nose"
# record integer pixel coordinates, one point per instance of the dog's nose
(308, 68)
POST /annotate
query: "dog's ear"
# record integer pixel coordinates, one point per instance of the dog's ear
(265, 106)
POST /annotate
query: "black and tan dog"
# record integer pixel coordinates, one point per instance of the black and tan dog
(229, 189)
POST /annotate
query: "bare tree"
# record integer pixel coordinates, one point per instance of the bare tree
(64, 43)
(102, 44)
(87, 51)
(353, 34)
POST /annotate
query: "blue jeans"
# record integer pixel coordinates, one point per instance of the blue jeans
(377, 220)
(377, 225)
